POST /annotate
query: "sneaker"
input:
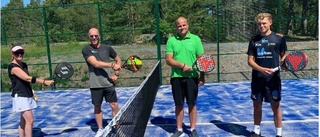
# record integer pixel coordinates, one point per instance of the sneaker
(253, 134)
(177, 134)
(99, 133)
(194, 133)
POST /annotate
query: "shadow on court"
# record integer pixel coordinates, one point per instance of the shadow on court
(93, 124)
(215, 119)
(169, 124)
(37, 132)
(232, 128)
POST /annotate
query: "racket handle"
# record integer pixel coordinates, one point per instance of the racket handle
(35, 97)
(133, 64)
(276, 69)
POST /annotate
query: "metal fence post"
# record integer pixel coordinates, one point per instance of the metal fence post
(99, 22)
(47, 42)
(3, 32)
(278, 15)
(156, 2)
(218, 39)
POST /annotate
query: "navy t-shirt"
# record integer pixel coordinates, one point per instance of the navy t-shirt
(19, 86)
(266, 51)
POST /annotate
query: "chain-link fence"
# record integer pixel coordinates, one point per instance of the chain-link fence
(56, 31)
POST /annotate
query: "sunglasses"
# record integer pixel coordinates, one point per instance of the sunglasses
(19, 53)
(93, 36)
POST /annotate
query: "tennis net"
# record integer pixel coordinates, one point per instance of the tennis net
(133, 117)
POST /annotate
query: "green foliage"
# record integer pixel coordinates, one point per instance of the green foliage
(5, 55)
(121, 21)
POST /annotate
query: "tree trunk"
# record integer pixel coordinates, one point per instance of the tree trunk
(304, 22)
(289, 22)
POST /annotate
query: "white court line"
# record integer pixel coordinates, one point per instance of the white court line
(151, 125)
(266, 122)
(48, 129)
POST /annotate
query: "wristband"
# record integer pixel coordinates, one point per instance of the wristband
(183, 66)
(33, 80)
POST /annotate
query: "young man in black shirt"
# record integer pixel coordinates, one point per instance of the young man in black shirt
(266, 50)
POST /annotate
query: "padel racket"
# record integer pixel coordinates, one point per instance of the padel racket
(205, 63)
(35, 97)
(295, 61)
(63, 70)
(133, 63)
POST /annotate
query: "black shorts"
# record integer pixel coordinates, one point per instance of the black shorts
(97, 94)
(268, 90)
(184, 88)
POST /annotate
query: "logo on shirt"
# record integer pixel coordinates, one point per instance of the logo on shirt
(260, 52)
(264, 40)
(94, 51)
(189, 44)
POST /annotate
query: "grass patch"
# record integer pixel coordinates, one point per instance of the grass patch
(232, 66)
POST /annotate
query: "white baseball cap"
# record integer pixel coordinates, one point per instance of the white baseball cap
(16, 48)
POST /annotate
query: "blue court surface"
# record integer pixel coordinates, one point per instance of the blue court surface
(224, 110)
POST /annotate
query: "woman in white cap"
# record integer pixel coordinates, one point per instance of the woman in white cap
(22, 94)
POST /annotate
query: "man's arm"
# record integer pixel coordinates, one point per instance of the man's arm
(283, 56)
(117, 60)
(173, 63)
(99, 64)
(255, 66)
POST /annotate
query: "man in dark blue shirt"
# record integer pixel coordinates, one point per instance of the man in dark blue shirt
(265, 52)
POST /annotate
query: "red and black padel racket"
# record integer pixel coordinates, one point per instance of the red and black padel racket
(295, 61)
(205, 63)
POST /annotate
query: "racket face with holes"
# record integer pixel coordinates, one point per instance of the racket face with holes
(133, 63)
(205, 63)
(64, 70)
(295, 61)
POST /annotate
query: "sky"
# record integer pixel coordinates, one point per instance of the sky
(5, 2)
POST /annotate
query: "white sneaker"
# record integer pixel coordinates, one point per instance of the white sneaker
(99, 133)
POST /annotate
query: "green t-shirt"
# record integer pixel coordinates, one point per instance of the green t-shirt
(184, 50)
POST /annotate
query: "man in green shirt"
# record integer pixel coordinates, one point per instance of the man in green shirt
(182, 51)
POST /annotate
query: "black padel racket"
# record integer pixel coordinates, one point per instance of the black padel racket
(295, 61)
(64, 70)
(133, 63)
(205, 63)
